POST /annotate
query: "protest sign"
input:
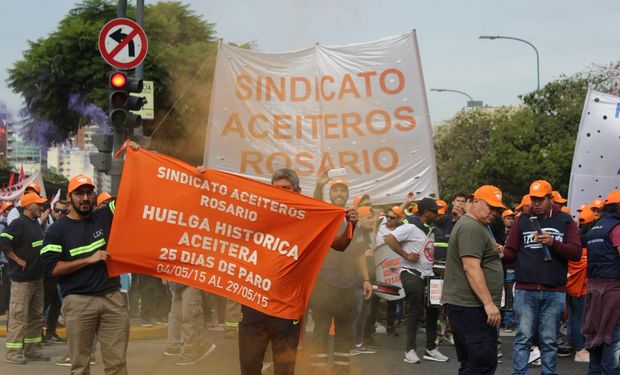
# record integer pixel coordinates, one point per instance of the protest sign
(14, 191)
(248, 241)
(361, 107)
(596, 162)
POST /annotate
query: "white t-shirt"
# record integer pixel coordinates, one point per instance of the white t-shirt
(413, 240)
(381, 233)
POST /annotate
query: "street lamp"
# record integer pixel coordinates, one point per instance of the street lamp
(470, 103)
(493, 37)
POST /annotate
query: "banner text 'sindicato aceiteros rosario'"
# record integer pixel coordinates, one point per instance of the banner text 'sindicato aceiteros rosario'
(361, 107)
(248, 241)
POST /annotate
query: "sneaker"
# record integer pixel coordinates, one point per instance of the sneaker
(582, 356)
(361, 349)
(534, 354)
(172, 350)
(435, 355)
(64, 361)
(537, 362)
(38, 357)
(500, 358)
(391, 331)
(565, 351)
(54, 340)
(266, 366)
(411, 357)
(17, 360)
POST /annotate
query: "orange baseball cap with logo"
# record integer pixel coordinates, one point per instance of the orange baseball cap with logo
(338, 181)
(598, 203)
(540, 189)
(613, 197)
(584, 206)
(490, 194)
(586, 216)
(34, 186)
(443, 206)
(6, 205)
(525, 201)
(30, 198)
(557, 197)
(80, 180)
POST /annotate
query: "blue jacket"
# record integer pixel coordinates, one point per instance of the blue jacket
(603, 258)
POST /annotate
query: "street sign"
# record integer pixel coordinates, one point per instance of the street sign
(148, 110)
(123, 43)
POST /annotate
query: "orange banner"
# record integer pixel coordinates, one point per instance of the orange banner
(248, 241)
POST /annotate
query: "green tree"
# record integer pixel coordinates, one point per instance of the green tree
(64, 71)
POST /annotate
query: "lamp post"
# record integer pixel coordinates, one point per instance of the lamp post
(470, 103)
(493, 37)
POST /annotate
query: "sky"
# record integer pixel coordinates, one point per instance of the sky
(571, 36)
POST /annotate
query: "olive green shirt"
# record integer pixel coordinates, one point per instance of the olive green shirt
(471, 238)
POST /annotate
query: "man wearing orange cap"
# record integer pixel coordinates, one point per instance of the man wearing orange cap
(473, 283)
(597, 207)
(414, 242)
(74, 251)
(601, 323)
(21, 242)
(541, 265)
(16, 211)
(103, 199)
(525, 204)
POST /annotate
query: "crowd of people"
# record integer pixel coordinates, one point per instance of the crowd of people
(527, 270)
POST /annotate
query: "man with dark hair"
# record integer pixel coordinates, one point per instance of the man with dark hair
(473, 283)
(414, 242)
(540, 254)
(257, 329)
(74, 251)
(21, 242)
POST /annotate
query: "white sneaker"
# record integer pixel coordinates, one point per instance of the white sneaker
(435, 355)
(534, 354)
(411, 357)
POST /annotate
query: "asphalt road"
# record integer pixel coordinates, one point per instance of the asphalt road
(146, 357)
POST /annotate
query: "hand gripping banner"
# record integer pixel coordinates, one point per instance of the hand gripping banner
(245, 240)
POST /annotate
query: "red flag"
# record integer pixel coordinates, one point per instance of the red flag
(21, 174)
(11, 179)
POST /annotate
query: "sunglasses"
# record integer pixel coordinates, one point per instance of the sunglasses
(391, 217)
(61, 210)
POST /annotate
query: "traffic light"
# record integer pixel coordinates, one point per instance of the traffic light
(121, 102)
(102, 160)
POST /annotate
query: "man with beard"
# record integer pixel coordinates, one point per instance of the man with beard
(541, 265)
(74, 251)
(21, 243)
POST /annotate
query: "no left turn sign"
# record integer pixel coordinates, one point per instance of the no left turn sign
(123, 43)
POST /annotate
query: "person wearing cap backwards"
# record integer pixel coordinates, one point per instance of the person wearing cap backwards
(21, 242)
(473, 283)
(74, 251)
(333, 296)
(415, 244)
(540, 287)
(257, 329)
(601, 323)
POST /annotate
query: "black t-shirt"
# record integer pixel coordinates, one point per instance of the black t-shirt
(68, 240)
(25, 238)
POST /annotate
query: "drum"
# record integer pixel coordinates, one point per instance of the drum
(387, 270)
(434, 286)
(384, 288)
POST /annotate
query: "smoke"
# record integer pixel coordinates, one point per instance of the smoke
(95, 114)
(41, 133)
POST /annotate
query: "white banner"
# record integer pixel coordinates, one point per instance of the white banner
(361, 107)
(596, 163)
(14, 192)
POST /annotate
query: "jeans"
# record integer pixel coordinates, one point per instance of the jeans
(537, 310)
(605, 359)
(576, 306)
(508, 316)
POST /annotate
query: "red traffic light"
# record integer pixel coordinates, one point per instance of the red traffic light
(118, 80)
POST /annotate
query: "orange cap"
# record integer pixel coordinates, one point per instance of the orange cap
(80, 180)
(557, 197)
(508, 212)
(6, 205)
(411, 208)
(443, 206)
(361, 198)
(540, 189)
(338, 181)
(103, 197)
(613, 197)
(397, 211)
(30, 198)
(586, 216)
(584, 206)
(525, 201)
(566, 209)
(490, 194)
(364, 211)
(34, 186)
(598, 203)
